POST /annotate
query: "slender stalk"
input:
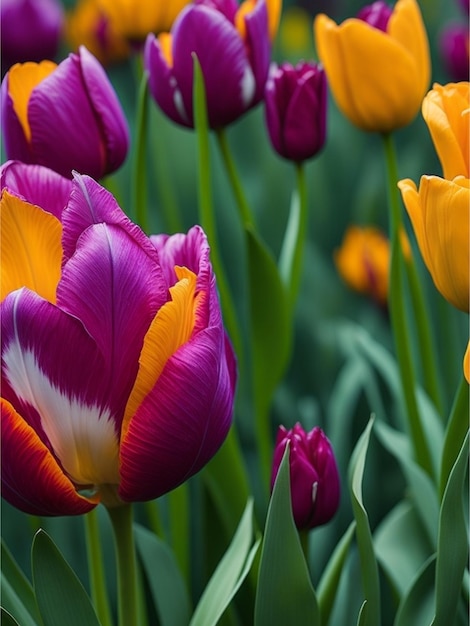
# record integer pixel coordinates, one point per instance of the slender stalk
(398, 313)
(99, 593)
(291, 259)
(242, 203)
(139, 182)
(128, 603)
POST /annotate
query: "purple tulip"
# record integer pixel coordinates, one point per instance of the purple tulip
(31, 30)
(314, 478)
(376, 15)
(117, 376)
(295, 108)
(233, 51)
(66, 117)
(454, 48)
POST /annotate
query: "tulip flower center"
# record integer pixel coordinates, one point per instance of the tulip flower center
(22, 79)
(376, 15)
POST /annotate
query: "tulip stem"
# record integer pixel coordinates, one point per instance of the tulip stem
(99, 594)
(121, 520)
(398, 313)
(291, 258)
(242, 203)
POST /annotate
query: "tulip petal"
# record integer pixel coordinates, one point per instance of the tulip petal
(14, 139)
(32, 480)
(259, 44)
(54, 374)
(114, 288)
(301, 135)
(31, 250)
(36, 184)
(182, 422)
(466, 363)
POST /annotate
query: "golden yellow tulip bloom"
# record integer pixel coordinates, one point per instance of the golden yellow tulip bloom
(439, 212)
(446, 110)
(378, 77)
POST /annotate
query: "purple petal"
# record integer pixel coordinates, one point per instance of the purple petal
(15, 143)
(36, 184)
(259, 46)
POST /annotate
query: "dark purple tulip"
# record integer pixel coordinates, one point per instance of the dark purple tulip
(314, 478)
(66, 117)
(31, 30)
(233, 51)
(376, 15)
(454, 47)
(295, 107)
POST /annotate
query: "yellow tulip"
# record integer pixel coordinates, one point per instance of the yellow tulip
(439, 212)
(446, 110)
(466, 363)
(378, 77)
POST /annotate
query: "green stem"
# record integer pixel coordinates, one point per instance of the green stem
(242, 203)
(291, 259)
(398, 313)
(99, 593)
(128, 604)
(139, 182)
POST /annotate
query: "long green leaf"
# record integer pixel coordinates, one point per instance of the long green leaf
(452, 552)
(416, 608)
(166, 584)
(229, 574)
(369, 569)
(285, 594)
(16, 591)
(60, 595)
(6, 619)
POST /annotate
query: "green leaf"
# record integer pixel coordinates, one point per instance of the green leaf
(328, 585)
(422, 488)
(416, 608)
(369, 569)
(16, 590)
(401, 546)
(6, 619)
(229, 574)
(452, 551)
(285, 594)
(166, 584)
(60, 595)
(362, 617)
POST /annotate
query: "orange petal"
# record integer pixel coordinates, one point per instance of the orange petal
(31, 249)
(466, 363)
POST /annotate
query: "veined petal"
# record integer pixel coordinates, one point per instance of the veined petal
(31, 250)
(51, 365)
(172, 327)
(32, 480)
(36, 184)
(114, 288)
(182, 422)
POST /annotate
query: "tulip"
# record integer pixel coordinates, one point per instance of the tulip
(446, 110)
(64, 116)
(314, 478)
(117, 376)
(439, 213)
(233, 47)
(31, 30)
(295, 106)
(466, 363)
(454, 48)
(378, 67)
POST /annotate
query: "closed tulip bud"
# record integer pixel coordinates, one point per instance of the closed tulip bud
(232, 44)
(314, 477)
(31, 30)
(66, 117)
(295, 107)
(377, 64)
(454, 47)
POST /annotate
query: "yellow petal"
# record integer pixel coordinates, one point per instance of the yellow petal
(412, 202)
(22, 79)
(171, 328)
(31, 249)
(466, 363)
(373, 78)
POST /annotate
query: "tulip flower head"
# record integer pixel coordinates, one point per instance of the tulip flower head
(31, 30)
(117, 375)
(377, 64)
(64, 116)
(233, 47)
(314, 478)
(454, 46)
(295, 107)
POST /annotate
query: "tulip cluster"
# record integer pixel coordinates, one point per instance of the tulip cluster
(117, 375)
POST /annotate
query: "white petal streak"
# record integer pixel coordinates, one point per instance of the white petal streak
(82, 436)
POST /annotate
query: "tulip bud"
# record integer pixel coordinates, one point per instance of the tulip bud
(296, 103)
(314, 478)
(376, 15)
(454, 48)
(30, 30)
